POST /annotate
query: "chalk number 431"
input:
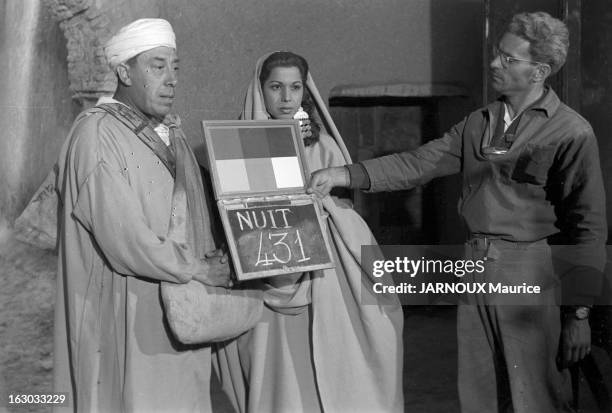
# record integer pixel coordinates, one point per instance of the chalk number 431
(279, 251)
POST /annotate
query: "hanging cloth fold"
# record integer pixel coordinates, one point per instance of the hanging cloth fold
(194, 228)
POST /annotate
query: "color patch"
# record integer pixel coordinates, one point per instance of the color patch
(233, 175)
(287, 172)
(260, 174)
(236, 143)
(226, 143)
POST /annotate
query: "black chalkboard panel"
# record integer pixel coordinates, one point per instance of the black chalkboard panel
(273, 237)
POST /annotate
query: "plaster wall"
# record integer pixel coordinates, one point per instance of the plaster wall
(36, 109)
(345, 41)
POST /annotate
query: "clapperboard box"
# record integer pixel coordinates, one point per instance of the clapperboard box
(272, 225)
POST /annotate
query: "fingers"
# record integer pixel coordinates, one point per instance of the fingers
(567, 355)
(576, 339)
(218, 253)
(578, 353)
(320, 183)
(582, 352)
(216, 272)
(223, 281)
(575, 354)
(214, 253)
(320, 190)
(572, 355)
(318, 193)
(306, 130)
(219, 265)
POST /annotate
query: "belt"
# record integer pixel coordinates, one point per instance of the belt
(481, 247)
(489, 246)
(481, 242)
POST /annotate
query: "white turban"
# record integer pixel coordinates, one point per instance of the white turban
(137, 37)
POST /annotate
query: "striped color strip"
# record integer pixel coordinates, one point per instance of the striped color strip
(252, 143)
(256, 159)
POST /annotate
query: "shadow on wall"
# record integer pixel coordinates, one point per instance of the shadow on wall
(597, 83)
(464, 68)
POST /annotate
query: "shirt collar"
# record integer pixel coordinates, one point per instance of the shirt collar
(547, 104)
(171, 120)
(507, 119)
(108, 99)
(162, 129)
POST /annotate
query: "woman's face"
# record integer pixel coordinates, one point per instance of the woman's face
(283, 91)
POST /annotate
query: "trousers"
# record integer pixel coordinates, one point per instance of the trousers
(508, 343)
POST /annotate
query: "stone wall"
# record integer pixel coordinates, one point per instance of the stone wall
(87, 25)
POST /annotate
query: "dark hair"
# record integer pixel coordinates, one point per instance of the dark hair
(548, 37)
(289, 59)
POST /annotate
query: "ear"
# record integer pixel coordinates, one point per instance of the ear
(123, 72)
(541, 73)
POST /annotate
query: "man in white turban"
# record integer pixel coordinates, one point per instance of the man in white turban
(133, 215)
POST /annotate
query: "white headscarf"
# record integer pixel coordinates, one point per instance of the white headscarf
(137, 37)
(254, 107)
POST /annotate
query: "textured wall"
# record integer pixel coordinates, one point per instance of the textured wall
(35, 105)
(345, 41)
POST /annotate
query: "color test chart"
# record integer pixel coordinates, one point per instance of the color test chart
(271, 225)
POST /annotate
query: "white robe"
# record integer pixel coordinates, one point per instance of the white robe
(318, 347)
(113, 350)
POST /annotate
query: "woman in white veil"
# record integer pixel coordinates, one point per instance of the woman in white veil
(318, 347)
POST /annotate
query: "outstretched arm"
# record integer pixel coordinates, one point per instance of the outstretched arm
(397, 171)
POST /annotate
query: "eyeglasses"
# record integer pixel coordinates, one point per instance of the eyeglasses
(502, 147)
(493, 150)
(507, 60)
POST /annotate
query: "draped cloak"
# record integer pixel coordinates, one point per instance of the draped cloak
(317, 347)
(113, 350)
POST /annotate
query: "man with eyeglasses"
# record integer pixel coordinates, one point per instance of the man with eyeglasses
(531, 178)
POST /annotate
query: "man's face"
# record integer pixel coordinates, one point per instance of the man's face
(154, 78)
(512, 68)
